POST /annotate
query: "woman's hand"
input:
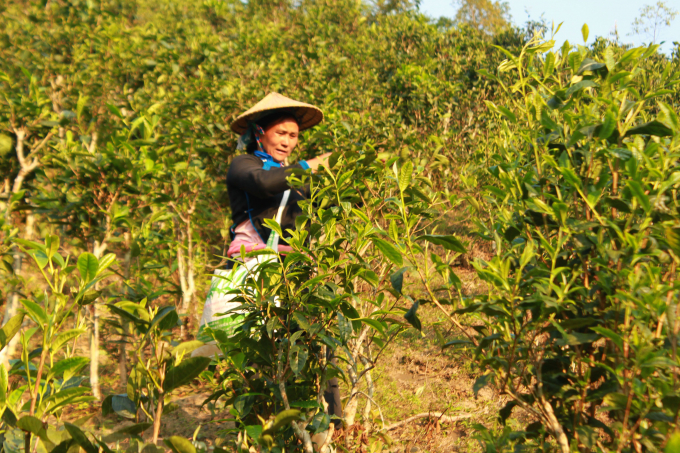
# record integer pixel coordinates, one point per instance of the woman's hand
(318, 160)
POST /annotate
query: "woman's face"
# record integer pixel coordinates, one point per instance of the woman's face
(280, 138)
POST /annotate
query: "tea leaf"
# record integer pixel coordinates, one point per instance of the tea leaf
(179, 445)
(185, 372)
(10, 329)
(639, 194)
(448, 242)
(35, 312)
(405, 175)
(389, 251)
(412, 316)
(651, 128)
(284, 418)
(80, 438)
(87, 266)
(297, 358)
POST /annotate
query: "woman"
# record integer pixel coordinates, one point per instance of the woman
(259, 190)
(257, 180)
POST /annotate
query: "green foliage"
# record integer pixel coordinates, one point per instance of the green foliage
(580, 318)
(48, 377)
(338, 295)
(114, 141)
(488, 16)
(153, 378)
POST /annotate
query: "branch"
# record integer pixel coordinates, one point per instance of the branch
(546, 408)
(300, 432)
(39, 146)
(381, 414)
(438, 415)
(329, 438)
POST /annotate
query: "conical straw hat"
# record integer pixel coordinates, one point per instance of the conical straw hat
(306, 114)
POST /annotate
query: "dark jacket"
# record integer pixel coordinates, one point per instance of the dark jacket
(255, 193)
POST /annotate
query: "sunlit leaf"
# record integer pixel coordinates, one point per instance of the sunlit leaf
(87, 266)
(179, 445)
(35, 312)
(448, 242)
(389, 251)
(185, 372)
(405, 175)
(297, 358)
(10, 329)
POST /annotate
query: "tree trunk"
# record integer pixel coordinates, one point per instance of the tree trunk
(13, 299)
(186, 269)
(94, 352)
(27, 165)
(355, 347)
(12, 303)
(157, 418)
(349, 413)
(191, 271)
(10, 310)
(122, 350)
(98, 250)
(370, 391)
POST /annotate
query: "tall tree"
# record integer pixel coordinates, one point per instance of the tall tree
(652, 20)
(488, 16)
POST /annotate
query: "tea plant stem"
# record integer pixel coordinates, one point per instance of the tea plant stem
(159, 387)
(387, 343)
(65, 317)
(26, 167)
(94, 352)
(370, 388)
(376, 405)
(157, 418)
(34, 396)
(627, 433)
(301, 433)
(557, 429)
(549, 414)
(329, 438)
(439, 305)
(423, 277)
(629, 402)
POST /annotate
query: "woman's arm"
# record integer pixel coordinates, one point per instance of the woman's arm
(318, 160)
(246, 173)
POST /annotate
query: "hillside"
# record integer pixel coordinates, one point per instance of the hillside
(492, 246)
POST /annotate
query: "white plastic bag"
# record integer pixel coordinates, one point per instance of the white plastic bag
(219, 301)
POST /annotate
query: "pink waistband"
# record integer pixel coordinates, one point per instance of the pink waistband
(247, 236)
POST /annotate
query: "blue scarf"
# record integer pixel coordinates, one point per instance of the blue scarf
(268, 160)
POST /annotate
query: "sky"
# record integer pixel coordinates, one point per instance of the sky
(602, 17)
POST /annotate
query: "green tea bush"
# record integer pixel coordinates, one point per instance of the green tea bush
(114, 137)
(332, 306)
(579, 329)
(48, 378)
